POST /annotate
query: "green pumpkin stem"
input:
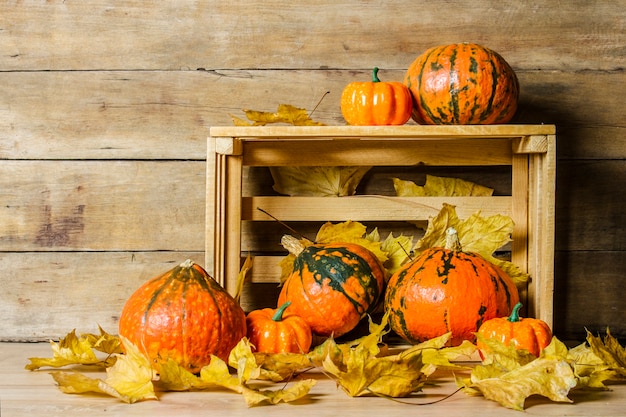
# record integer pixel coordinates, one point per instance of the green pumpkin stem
(278, 315)
(452, 240)
(375, 75)
(514, 317)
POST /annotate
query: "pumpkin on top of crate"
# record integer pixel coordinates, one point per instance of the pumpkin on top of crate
(376, 103)
(462, 83)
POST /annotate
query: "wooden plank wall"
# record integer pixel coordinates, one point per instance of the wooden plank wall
(105, 108)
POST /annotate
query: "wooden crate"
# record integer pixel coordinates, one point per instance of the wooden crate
(529, 151)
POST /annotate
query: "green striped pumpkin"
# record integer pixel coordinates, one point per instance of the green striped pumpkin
(447, 290)
(462, 83)
(333, 286)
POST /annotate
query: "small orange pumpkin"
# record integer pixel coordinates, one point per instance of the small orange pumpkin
(524, 333)
(185, 315)
(276, 331)
(376, 102)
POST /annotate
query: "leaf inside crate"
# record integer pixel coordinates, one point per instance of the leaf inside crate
(440, 186)
(317, 181)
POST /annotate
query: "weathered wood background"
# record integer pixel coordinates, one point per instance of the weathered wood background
(105, 108)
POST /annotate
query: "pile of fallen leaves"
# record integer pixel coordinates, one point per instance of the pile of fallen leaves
(363, 367)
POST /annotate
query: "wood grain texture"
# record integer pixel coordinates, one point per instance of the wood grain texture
(174, 35)
(167, 114)
(101, 205)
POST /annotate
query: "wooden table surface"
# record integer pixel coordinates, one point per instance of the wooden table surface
(26, 393)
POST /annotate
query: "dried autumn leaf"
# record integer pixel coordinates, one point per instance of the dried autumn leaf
(132, 375)
(440, 186)
(509, 376)
(242, 276)
(129, 379)
(598, 361)
(317, 181)
(77, 383)
(546, 377)
(75, 350)
(436, 355)
(305, 180)
(242, 358)
(398, 251)
(104, 342)
(286, 113)
(359, 369)
(609, 350)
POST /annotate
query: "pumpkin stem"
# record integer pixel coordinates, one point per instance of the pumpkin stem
(514, 317)
(375, 75)
(278, 315)
(292, 244)
(187, 264)
(452, 240)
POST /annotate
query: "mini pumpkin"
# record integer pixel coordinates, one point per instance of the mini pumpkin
(185, 315)
(446, 290)
(333, 286)
(462, 83)
(376, 102)
(524, 333)
(276, 331)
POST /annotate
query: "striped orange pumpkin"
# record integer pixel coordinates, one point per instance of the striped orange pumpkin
(447, 290)
(462, 83)
(333, 286)
(184, 315)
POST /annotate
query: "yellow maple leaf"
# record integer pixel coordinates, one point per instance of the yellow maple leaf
(440, 186)
(359, 370)
(598, 361)
(132, 375)
(318, 181)
(242, 276)
(79, 350)
(398, 250)
(436, 355)
(509, 375)
(129, 379)
(286, 113)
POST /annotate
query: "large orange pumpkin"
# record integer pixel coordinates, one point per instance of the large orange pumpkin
(183, 314)
(462, 83)
(447, 290)
(333, 286)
